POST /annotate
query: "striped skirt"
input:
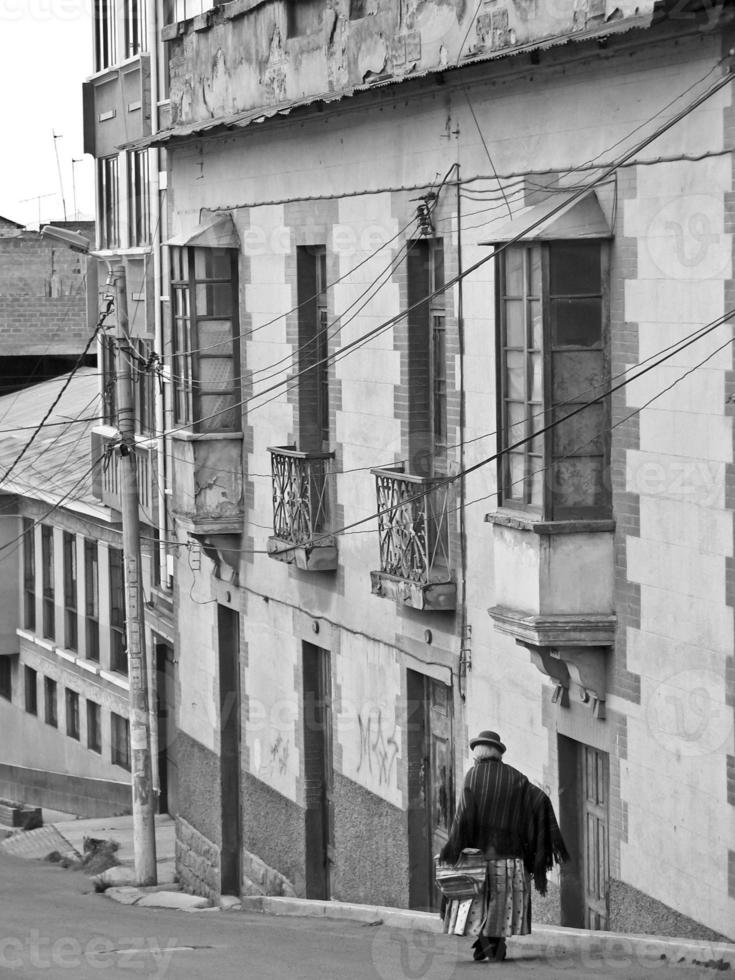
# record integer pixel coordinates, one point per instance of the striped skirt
(502, 907)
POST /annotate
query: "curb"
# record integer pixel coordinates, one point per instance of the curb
(554, 942)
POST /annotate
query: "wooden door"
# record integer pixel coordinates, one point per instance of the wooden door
(318, 773)
(228, 623)
(430, 783)
(594, 782)
(166, 711)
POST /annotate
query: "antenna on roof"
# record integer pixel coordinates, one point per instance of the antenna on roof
(58, 136)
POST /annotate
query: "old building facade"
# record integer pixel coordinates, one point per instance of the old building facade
(448, 436)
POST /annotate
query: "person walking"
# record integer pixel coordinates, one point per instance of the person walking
(512, 825)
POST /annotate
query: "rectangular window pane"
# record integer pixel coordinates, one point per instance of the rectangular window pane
(118, 652)
(31, 690)
(47, 574)
(29, 574)
(578, 376)
(94, 727)
(575, 269)
(218, 412)
(120, 747)
(52, 716)
(72, 713)
(70, 590)
(216, 374)
(516, 375)
(91, 599)
(576, 322)
(578, 483)
(515, 325)
(581, 435)
(214, 299)
(213, 263)
(514, 278)
(6, 679)
(215, 337)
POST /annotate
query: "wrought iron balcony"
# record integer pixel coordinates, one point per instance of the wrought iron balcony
(300, 509)
(413, 531)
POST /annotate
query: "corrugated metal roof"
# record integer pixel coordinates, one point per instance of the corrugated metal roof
(241, 120)
(58, 458)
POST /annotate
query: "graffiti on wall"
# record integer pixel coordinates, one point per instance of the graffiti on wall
(378, 749)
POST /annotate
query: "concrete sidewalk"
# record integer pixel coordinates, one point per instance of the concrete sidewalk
(553, 942)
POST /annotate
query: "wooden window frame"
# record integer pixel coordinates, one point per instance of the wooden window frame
(136, 27)
(139, 208)
(94, 727)
(119, 741)
(105, 34)
(48, 585)
(71, 578)
(108, 201)
(547, 508)
(427, 357)
(29, 574)
(116, 579)
(30, 694)
(51, 702)
(73, 728)
(190, 350)
(91, 600)
(6, 678)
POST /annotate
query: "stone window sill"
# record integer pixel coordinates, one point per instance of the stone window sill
(523, 522)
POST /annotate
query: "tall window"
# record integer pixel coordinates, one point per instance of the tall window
(427, 359)
(120, 740)
(47, 577)
(29, 574)
(72, 714)
(70, 591)
(205, 347)
(6, 679)
(105, 34)
(143, 389)
(30, 683)
(109, 381)
(311, 271)
(91, 600)
(108, 202)
(51, 702)
(139, 219)
(118, 653)
(94, 727)
(135, 27)
(553, 359)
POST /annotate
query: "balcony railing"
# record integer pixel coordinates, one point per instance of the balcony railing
(413, 532)
(300, 509)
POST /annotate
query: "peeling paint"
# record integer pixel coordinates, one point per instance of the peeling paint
(238, 62)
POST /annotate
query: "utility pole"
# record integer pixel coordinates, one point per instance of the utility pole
(144, 828)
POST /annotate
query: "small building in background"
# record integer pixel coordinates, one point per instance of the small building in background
(43, 306)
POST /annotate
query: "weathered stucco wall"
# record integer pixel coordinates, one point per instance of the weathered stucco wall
(245, 56)
(674, 564)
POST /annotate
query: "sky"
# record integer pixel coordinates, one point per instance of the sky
(45, 55)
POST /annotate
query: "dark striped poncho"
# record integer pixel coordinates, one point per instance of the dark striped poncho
(502, 814)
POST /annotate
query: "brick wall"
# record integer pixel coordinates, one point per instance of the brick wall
(42, 296)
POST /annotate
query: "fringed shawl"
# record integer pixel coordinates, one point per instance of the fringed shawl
(502, 813)
(544, 844)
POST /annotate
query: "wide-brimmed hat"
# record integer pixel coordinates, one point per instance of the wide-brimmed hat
(487, 738)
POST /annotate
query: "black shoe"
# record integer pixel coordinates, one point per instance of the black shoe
(484, 948)
(499, 952)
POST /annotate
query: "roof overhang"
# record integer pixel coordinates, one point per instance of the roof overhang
(218, 231)
(582, 218)
(240, 120)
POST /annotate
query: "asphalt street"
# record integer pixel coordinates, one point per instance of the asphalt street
(54, 926)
